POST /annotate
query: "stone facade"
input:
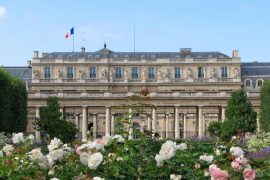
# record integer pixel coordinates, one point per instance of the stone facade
(187, 89)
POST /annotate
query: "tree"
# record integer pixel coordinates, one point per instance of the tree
(53, 123)
(5, 104)
(18, 106)
(240, 116)
(265, 107)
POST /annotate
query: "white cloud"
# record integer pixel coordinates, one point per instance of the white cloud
(2, 11)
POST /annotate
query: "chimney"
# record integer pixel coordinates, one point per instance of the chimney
(29, 63)
(44, 54)
(82, 49)
(185, 51)
(36, 54)
(235, 54)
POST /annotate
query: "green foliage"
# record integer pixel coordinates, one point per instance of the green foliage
(214, 128)
(5, 96)
(240, 116)
(18, 106)
(258, 141)
(265, 107)
(13, 103)
(53, 123)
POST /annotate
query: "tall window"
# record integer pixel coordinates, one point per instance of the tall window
(201, 72)
(92, 72)
(151, 73)
(134, 71)
(260, 83)
(69, 72)
(248, 83)
(118, 73)
(47, 73)
(177, 72)
(224, 72)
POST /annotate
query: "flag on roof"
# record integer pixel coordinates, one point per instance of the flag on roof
(71, 32)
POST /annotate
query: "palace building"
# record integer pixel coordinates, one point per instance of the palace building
(187, 89)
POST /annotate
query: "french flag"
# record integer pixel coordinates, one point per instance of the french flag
(70, 33)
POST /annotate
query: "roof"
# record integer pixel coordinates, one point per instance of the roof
(255, 69)
(23, 72)
(107, 53)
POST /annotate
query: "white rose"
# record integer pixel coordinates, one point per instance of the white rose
(97, 144)
(94, 160)
(107, 140)
(119, 138)
(31, 137)
(17, 138)
(175, 177)
(182, 146)
(67, 148)
(54, 178)
(51, 172)
(119, 159)
(35, 154)
(8, 148)
(236, 151)
(168, 150)
(56, 154)
(1, 153)
(84, 158)
(84, 140)
(217, 152)
(159, 160)
(207, 158)
(54, 144)
(44, 162)
(98, 178)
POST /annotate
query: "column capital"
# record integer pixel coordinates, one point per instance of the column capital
(94, 114)
(84, 106)
(38, 106)
(107, 106)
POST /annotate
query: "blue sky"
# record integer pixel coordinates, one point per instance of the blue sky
(161, 25)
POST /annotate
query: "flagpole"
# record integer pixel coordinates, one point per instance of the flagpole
(73, 40)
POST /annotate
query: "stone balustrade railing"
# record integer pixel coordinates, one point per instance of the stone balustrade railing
(124, 95)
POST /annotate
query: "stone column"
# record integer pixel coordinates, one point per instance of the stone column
(185, 126)
(222, 113)
(94, 126)
(107, 122)
(176, 123)
(148, 123)
(112, 125)
(37, 133)
(167, 126)
(154, 119)
(84, 122)
(200, 121)
(130, 130)
(203, 124)
(77, 123)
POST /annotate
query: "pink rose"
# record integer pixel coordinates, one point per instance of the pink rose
(249, 174)
(217, 174)
(78, 150)
(235, 165)
(241, 160)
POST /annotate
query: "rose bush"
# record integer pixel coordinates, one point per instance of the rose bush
(119, 158)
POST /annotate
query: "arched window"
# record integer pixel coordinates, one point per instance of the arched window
(248, 83)
(259, 83)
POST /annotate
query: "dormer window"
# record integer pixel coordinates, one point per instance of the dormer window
(248, 83)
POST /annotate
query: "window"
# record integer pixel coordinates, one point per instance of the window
(134, 71)
(177, 72)
(92, 72)
(151, 73)
(248, 83)
(47, 72)
(260, 83)
(69, 72)
(224, 72)
(201, 72)
(118, 73)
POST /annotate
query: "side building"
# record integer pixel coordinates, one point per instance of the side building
(187, 89)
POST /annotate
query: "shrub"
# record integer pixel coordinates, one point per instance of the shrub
(214, 128)
(265, 107)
